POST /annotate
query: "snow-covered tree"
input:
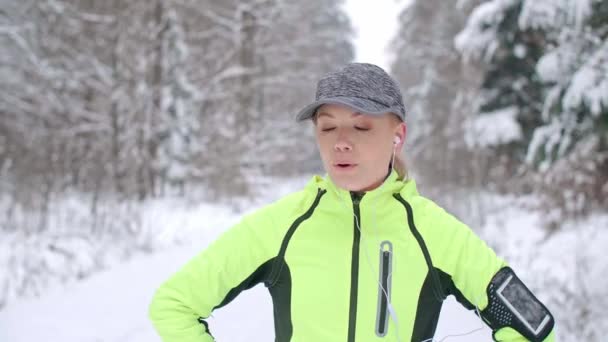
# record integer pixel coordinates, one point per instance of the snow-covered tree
(546, 61)
(178, 117)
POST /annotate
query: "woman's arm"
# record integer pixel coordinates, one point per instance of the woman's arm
(479, 278)
(237, 260)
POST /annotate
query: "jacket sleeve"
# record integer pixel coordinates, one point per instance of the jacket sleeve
(468, 262)
(212, 278)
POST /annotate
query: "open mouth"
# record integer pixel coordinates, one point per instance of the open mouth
(344, 166)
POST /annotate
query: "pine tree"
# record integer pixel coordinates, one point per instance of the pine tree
(546, 61)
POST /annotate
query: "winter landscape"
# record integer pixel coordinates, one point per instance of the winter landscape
(132, 134)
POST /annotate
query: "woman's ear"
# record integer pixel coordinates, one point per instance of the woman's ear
(401, 133)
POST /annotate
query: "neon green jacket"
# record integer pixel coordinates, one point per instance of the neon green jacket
(326, 277)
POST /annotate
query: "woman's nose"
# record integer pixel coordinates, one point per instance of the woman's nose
(342, 145)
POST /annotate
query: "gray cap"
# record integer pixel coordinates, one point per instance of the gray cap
(366, 88)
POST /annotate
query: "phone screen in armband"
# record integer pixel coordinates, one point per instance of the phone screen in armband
(514, 294)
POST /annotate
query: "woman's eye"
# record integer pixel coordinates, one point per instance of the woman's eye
(361, 128)
(328, 129)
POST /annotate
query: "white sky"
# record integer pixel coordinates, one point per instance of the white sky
(375, 24)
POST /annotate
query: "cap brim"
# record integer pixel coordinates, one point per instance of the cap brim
(360, 105)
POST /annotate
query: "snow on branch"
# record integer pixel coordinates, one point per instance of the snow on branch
(478, 40)
(494, 128)
(589, 86)
(554, 14)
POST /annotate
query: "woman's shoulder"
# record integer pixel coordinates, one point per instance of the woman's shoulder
(409, 193)
(288, 207)
(427, 212)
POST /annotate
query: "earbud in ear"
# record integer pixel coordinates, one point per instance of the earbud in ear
(396, 140)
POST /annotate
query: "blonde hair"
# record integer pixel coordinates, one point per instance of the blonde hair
(399, 161)
(401, 168)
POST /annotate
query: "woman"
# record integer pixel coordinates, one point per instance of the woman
(358, 255)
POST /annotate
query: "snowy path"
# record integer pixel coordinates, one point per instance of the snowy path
(111, 306)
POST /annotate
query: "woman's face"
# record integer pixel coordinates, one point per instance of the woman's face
(356, 149)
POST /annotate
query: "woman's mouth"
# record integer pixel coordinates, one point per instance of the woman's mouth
(344, 166)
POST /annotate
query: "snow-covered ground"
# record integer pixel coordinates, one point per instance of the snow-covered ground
(111, 305)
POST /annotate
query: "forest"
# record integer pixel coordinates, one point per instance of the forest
(110, 107)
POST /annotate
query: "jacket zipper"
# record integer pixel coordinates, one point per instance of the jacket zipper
(384, 287)
(354, 269)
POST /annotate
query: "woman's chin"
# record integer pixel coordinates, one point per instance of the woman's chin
(348, 183)
(353, 183)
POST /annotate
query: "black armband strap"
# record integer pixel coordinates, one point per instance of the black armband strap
(512, 304)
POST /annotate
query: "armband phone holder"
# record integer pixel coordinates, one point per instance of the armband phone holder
(512, 304)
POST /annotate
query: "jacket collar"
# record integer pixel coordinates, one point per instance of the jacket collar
(391, 185)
